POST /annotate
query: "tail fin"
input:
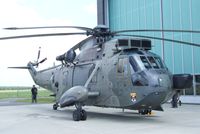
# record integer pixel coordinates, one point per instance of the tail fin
(32, 70)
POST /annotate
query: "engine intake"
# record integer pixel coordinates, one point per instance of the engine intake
(69, 56)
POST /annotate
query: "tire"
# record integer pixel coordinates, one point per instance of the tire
(143, 111)
(83, 115)
(76, 115)
(55, 107)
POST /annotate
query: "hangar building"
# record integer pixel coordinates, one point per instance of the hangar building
(161, 14)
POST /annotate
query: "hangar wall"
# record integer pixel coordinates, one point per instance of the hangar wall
(162, 14)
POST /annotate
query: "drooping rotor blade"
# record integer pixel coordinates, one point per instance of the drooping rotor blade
(25, 67)
(156, 30)
(49, 27)
(80, 44)
(41, 35)
(165, 39)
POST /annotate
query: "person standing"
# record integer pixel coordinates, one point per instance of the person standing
(34, 92)
(175, 100)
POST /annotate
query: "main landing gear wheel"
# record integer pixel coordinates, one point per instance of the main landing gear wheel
(79, 114)
(76, 115)
(55, 106)
(83, 115)
(145, 111)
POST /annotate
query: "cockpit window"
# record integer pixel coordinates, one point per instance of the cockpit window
(159, 62)
(145, 62)
(153, 63)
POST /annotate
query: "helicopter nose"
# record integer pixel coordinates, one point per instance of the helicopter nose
(164, 81)
(164, 90)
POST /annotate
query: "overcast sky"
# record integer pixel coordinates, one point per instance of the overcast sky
(22, 13)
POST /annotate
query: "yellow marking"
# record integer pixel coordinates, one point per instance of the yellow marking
(133, 94)
(152, 113)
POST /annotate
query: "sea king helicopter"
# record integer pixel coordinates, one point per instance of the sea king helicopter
(114, 69)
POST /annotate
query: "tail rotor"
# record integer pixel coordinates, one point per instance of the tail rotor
(38, 57)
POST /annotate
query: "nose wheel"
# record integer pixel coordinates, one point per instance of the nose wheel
(79, 113)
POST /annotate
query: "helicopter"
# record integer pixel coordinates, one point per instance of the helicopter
(114, 69)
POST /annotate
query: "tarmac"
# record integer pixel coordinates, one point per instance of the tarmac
(41, 119)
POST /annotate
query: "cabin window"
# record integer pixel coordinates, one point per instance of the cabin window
(145, 62)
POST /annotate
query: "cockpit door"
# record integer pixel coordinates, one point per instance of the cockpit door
(123, 74)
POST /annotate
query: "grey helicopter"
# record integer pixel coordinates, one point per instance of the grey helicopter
(114, 69)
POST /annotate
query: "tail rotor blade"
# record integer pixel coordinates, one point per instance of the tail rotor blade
(38, 54)
(42, 60)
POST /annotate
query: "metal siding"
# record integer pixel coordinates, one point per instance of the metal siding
(196, 26)
(187, 50)
(157, 25)
(177, 36)
(142, 14)
(167, 22)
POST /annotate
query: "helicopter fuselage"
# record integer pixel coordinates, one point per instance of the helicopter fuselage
(129, 78)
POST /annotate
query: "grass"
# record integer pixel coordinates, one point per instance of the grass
(25, 94)
(22, 93)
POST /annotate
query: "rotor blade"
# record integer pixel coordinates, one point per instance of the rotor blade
(156, 30)
(25, 67)
(42, 60)
(80, 44)
(41, 35)
(46, 27)
(165, 39)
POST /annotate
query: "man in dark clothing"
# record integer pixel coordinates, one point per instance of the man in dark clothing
(34, 94)
(175, 100)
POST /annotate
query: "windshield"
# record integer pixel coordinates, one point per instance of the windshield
(159, 62)
(143, 62)
(153, 63)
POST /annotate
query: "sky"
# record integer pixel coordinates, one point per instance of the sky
(28, 13)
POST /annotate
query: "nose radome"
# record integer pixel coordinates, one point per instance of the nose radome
(164, 81)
